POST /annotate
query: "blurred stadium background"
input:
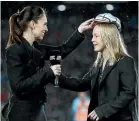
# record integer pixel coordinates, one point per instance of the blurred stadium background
(63, 18)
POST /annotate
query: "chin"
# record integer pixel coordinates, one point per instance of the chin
(96, 50)
(39, 38)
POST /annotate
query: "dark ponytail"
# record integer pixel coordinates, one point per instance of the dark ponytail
(15, 30)
(18, 22)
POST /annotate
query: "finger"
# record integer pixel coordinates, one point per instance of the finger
(94, 117)
(58, 65)
(91, 113)
(89, 20)
(89, 26)
(58, 69)
(58, 72)
(97, 119)
(92, 23)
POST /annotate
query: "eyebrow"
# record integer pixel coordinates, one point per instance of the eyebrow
(95, 34)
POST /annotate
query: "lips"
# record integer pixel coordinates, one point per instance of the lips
(43, 33)
(94, 44)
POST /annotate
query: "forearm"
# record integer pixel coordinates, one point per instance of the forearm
(74, 84)
(65, 48)
(21, 82)
(73, 41)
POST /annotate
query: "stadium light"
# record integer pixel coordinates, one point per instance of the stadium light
(109, 7)
(61, 7)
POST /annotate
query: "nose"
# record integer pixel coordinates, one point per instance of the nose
(92, 40)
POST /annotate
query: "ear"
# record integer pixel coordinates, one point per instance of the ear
(32, 24)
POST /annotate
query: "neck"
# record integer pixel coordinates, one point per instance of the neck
(105, 56)
(29, 37)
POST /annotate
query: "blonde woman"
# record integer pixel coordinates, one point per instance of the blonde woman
(112, 78)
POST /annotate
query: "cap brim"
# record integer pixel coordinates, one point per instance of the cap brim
(99, 20)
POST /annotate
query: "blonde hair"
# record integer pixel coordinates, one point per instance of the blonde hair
(114, 44)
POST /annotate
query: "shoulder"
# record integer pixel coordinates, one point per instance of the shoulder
(15, 49)
(126, 60)
(126, 63)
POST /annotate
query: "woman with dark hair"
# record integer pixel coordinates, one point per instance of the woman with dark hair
(27, 71)
(112, 78)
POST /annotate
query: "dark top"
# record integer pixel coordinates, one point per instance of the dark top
(116, 90)
(27, 71)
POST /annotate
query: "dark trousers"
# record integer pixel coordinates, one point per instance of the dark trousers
(26, 111)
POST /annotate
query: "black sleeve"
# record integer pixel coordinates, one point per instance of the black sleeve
(127, 93)
(18, 76)
(76, 84)
(67, 47)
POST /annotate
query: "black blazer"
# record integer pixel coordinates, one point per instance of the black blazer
(27, 71)
(116, 90)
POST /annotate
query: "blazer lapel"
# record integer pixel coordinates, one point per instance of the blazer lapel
(106, 71)
(33, 52)
(27, 47)
(94, 79)
(36, 56)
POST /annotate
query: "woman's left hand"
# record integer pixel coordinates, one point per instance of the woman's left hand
(93, 116)
(86, 25)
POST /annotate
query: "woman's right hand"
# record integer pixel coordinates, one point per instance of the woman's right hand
(56, 69)
(88, 24)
